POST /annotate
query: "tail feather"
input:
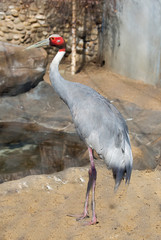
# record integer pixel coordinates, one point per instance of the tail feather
(120, 173)
(128, 173)
(121, 161)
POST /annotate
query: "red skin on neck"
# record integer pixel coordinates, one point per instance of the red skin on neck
(62, 50)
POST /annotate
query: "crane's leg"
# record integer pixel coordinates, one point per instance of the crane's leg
(91, 184)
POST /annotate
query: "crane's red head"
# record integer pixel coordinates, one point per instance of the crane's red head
(57, 41)
(53, 40)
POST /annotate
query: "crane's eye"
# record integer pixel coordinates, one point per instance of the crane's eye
(52, 38)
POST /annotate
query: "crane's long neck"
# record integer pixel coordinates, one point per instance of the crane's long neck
(60, 85)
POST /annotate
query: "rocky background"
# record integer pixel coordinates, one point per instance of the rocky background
(36, 130)
(25, 22)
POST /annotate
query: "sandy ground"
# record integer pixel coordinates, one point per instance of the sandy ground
(36, 207)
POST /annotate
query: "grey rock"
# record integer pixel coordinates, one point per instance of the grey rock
(22, 17)
(145, 132)
(17, 161)
(9, 37)
(32, 117)
(20, 69)
(17, 20)
(20, 26)
(14, 12)
(2, 15)
(41, 120)
(40, 17)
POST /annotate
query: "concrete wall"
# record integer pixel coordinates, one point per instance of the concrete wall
(132, 38)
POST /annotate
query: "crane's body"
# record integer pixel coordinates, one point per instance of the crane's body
(98, 123)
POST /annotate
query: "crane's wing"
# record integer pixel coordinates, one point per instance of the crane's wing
(104, 129)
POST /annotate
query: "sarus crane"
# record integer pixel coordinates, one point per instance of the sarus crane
(98, 123)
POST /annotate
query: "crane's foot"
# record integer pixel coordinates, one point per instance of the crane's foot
(83, 216)
(79, 217)
(92, 222)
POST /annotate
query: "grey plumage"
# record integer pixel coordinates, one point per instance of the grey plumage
(98, 123)
(101, 126)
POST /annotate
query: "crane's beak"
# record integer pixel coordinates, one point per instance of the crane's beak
(42, 43)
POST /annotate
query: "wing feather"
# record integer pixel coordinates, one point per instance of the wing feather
(103, 128)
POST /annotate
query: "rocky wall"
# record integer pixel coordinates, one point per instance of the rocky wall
(36, 130)
(25, 22)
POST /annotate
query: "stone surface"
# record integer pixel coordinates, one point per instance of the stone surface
(20, 69)
(44, 19)
(145, 132)
(14, 12)
(39, 109)
(41, 120)
(2, 15)
(20, 26)
(19, 160)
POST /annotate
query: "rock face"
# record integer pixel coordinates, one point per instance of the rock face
(145, 128)
(26, 22)
(34, 116)
(20, 69)
(37, 135)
